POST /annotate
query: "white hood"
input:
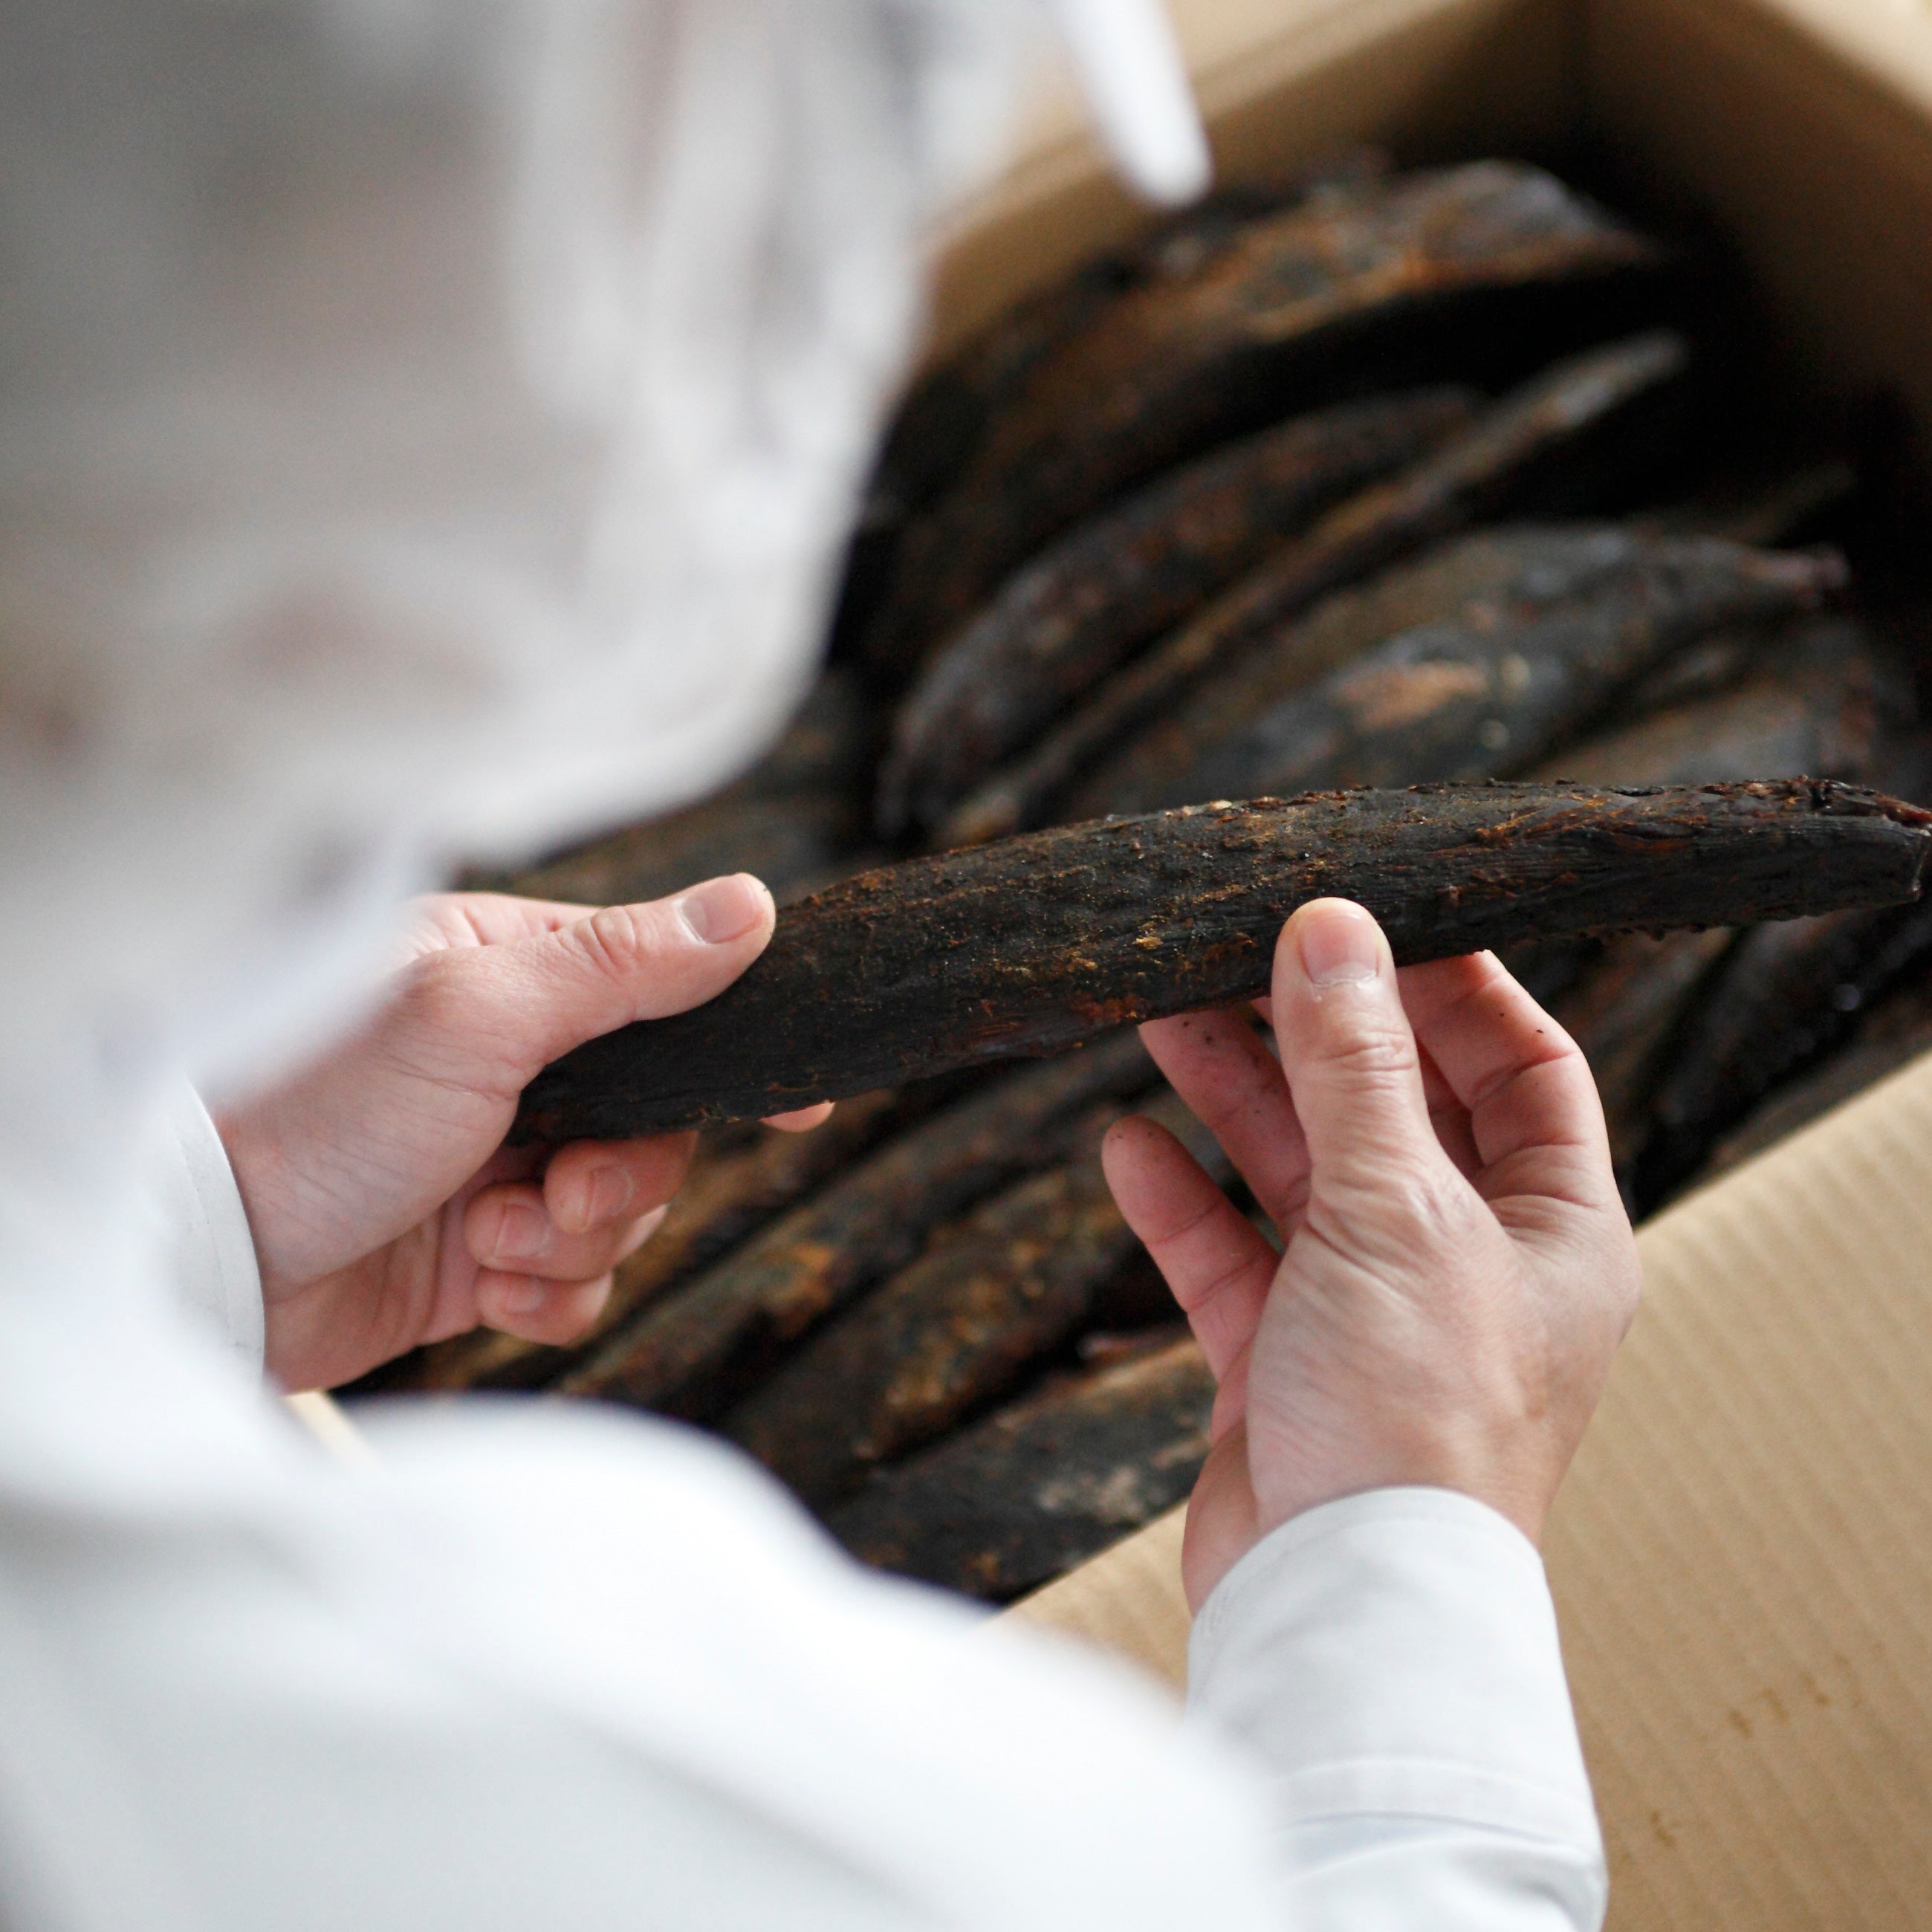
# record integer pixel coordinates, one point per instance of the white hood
(430, 425)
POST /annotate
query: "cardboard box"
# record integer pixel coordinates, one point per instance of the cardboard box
(1802, 127)
(1742, 1556)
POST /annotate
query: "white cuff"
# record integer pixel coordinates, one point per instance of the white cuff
(211, 1251)
(1395, 1655)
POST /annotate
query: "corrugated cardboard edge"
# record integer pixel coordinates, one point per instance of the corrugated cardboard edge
(1742, 1554)
(1742, 1557)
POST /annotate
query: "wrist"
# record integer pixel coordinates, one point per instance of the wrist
(253, 1163)
(237, 1143)
(1508, 1477)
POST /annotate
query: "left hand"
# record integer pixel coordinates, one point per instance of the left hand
(386, 1210)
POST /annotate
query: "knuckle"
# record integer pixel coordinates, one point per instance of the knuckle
(435, 994)
(1371, 1051)
(1417, 1206)
(1238, 1277)
(617, 939)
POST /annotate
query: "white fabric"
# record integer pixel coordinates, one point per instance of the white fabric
(1126, 54)
(561, 1671)
(203, 1224)
(1394, 1658)
(424, 424)
(429, 425)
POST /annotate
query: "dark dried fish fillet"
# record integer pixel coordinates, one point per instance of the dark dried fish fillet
(1032, 945)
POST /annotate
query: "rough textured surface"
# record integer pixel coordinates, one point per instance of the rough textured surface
(1460, 581)
(1494, 687)
(728, 1195)
(1896, 1031)
(1622, 1009)
(1032, 945)
(1072, 615)
(1785, 995)
(683, 1352)
(938, 428)
(1816, 705)
(1471, 472)
(992, 1294)
(1182, 363)
(942, 421)
(1016, 1499)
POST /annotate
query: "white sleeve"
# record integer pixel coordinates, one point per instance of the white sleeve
(204, 1229)
(1393, 1659)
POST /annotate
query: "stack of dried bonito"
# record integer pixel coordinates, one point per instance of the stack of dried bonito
(1352, 480)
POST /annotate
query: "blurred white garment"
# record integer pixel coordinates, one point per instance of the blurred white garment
(427, 423)
(203, 1227)
(577, 1670)
(422, 425)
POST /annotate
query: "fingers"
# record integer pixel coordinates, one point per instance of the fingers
(801, 1120)
(1222, 1525)
(507, 1227)
(438, 921)
(627, 962)
(1219, 1266)
(552, 1312)
(1224, 1072)
(1447, 1114)
(1521, 1077)
(544, 1249)
(593, 1184)
(1231, 1396)
(1348, 1051)
(1222, 1069)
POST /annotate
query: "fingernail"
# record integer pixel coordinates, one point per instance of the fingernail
(722, 910)
(520, 1233)
(525, 1298)
(607, 1195)
(1338, 947)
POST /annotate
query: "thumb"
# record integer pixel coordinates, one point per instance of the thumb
(1222, 1525)
(629, 962)
(1348, 1051)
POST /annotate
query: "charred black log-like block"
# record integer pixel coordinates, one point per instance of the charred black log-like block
(1035, 944)
(1018, 1498)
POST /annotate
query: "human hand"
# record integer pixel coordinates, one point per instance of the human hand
(1458, 1268)
(386, 1210)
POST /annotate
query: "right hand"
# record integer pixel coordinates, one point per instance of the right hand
(1459, 1268)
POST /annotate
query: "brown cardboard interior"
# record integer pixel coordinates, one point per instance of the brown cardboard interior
(1742, 1556)
(1802, 127)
